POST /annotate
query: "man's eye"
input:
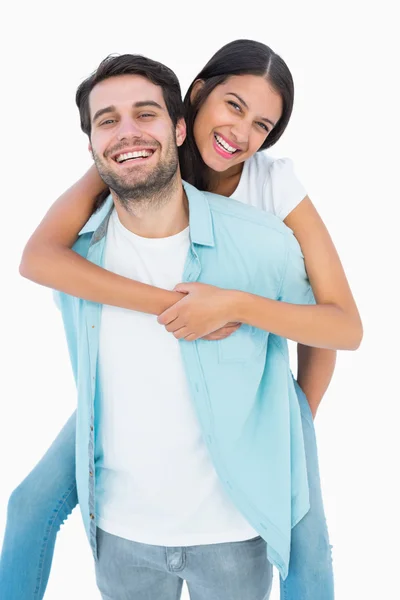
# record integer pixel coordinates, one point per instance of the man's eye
(107, 122)
(235, 106)
(146, 115)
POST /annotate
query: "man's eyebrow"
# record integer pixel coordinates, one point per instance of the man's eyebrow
(103, 111)
(143, 103)
(245, 105)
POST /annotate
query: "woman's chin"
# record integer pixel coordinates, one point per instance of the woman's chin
(219, 166)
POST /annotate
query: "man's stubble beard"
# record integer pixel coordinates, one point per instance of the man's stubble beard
(155, 190)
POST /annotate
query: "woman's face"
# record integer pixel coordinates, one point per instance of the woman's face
(235, 120)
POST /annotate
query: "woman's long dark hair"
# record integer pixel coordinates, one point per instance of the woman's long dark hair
(240, 57)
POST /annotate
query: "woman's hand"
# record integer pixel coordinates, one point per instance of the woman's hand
(203, 313)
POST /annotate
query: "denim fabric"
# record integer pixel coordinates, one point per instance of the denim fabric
(36, 510)
(310, 568)
(128, 570)
(39, 506)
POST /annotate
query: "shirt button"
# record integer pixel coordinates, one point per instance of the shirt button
(91, 428)
(91, 473)
(91, 516)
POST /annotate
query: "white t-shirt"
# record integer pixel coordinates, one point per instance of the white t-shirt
(155, 482)
(270, 184)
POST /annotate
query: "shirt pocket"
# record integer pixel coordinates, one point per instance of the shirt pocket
(245, 344)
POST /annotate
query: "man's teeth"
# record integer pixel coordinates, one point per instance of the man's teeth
(224, 144)
(128, 155)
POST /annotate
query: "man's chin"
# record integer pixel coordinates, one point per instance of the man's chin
(126, 181)
(134, 181)
(130, 172)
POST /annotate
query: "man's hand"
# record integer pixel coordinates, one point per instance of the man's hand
(204, 313)
(224, 332)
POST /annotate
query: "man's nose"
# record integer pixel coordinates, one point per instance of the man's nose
(128, 128)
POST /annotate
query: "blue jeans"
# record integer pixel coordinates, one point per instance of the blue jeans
(42, 502)
(310, 567)
(231, 571)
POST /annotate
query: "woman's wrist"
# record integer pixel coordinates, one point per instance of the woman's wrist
(236, 303)
(165, 299)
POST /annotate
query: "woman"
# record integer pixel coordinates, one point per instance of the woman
(240, 103)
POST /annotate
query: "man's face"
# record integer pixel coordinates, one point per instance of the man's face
(133, 140)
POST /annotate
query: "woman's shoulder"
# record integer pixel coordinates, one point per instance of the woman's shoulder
(267, 166)
(274, 182)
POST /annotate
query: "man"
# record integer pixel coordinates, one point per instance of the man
(190, 457)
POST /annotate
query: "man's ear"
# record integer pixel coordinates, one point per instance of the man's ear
(196, 89)
(90, 149)
(180, 131)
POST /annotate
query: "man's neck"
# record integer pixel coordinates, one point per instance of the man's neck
(160, 216)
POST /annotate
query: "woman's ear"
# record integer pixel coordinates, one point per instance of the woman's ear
(196, 89)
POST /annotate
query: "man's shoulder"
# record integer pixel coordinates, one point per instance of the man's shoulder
(251, 217)
(63, 301)
(250, 226)
(82, 244)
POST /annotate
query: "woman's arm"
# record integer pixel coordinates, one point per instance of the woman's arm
(48, 259)
(334, 323)
(315, 367)
(326, 274)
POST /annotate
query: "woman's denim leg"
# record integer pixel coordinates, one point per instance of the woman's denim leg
(36, 510)
(310, 569)
(43, 501)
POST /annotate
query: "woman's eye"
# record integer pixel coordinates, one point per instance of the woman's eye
(263, 125)
(235, 106)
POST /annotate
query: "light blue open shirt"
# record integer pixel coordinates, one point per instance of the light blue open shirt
(242, 387)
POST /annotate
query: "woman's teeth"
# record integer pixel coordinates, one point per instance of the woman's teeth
(224, 145)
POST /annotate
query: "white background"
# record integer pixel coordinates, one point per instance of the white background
(343, 138)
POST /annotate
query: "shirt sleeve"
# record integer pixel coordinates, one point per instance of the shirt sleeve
(57, 299)
(66, 305)
(295, 287)
(282, 190)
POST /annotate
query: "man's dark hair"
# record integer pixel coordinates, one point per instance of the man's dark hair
(131, 64)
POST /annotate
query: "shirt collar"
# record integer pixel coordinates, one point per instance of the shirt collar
(200, 220)
(98, 217)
